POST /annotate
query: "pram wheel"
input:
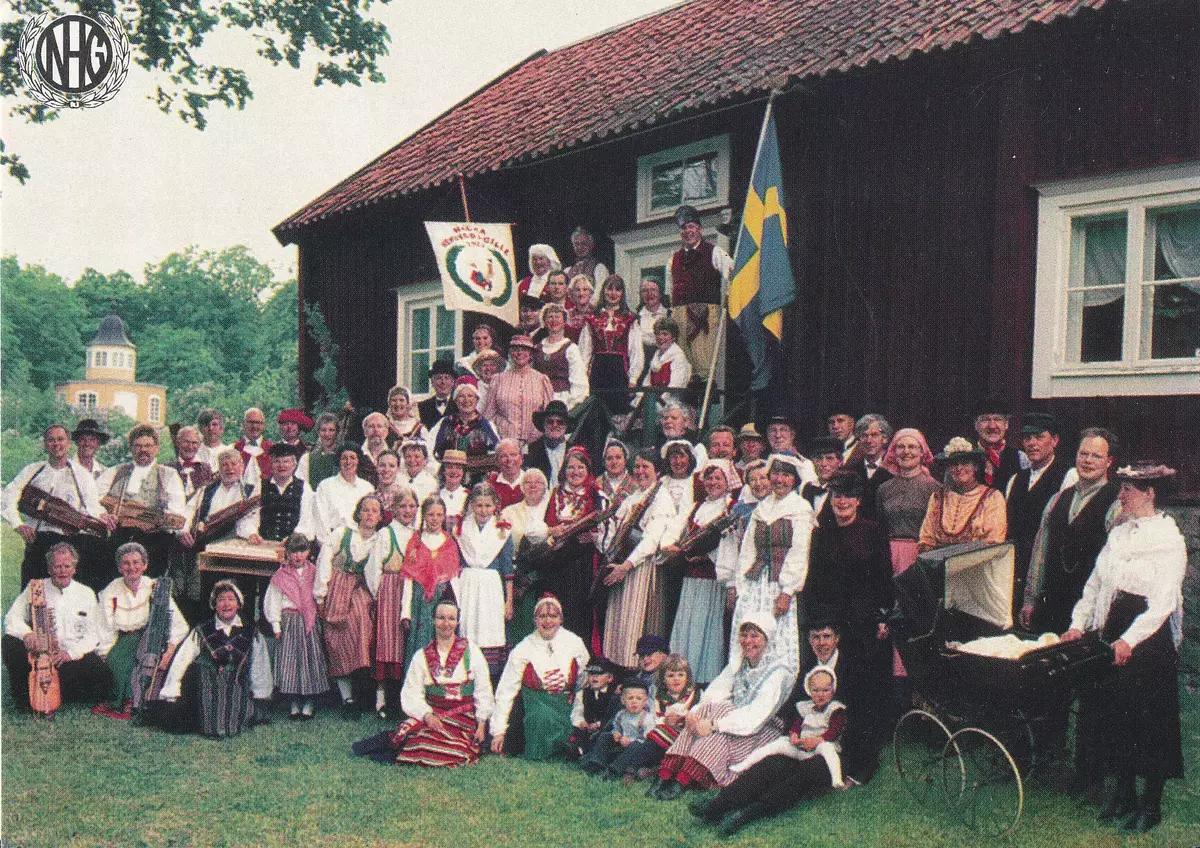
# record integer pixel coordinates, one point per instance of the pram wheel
(927, 759)
(993, 796)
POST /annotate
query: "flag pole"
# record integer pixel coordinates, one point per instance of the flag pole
(462, 190)
(712, 365)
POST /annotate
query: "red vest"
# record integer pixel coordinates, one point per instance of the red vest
(693, 277)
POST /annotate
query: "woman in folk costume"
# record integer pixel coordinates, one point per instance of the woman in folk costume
(635, 602)
(579, 306)
(290, 607)
(698, 633)
(387, 470)
(736, 715)
(679, 460)
(453, 491)
(220, 670)
(486, 582)
(546, 670)
(616, 483)
(527, 521)
(773, 561)
(569, 571)
(542, 261)
(403, 422)
(964, 509)
(611, 345)
(463, 428)
(337, 497)
(321, 462)
(559, 358)
(347, 607)
(140, 628)
(483, 340)
(390, 653)
(757, 488)
(432, 565)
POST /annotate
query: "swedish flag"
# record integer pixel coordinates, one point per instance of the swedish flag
(762, 282)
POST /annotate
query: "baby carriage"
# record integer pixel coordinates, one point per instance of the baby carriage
(992, 705)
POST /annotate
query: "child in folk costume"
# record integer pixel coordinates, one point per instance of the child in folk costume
(290, 607)
(389, 603)
(452, 475)
(601, 701)
(817, 730)
(672, 694)
(347, 605)
(432, 565)
(699, 629)
(486, 597)
(669, 367)
(629, 727)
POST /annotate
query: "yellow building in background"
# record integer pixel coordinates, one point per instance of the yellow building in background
(110, 379)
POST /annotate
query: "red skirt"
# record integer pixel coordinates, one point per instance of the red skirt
(453, 745)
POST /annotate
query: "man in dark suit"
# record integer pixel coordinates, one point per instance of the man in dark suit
(826, 453)
(547, 452)
(433, 408)
(1030, 489)
(1003, 459)
(872, 433)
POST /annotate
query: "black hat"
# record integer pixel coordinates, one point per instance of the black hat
(846, 483)
(556, 408)
(1041, 422)
(442, 366)
(528, 301)
(634, 683)
(993, 405)
(89, 427)
(783, 419)
(283, 449)
(651, 643)
(825, 444)
(686, 215)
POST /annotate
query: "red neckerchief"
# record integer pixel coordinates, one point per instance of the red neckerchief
(434, 661)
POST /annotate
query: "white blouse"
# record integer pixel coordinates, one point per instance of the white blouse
(797, 510)
(122, 610)
(552, 662)
(412, 696)
(335, 502)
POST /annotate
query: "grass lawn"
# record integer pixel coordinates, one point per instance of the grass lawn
(86, 781)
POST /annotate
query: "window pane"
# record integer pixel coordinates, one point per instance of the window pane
(1172, 315)
(420, 330)
(1177, 244)
(666, 185)
(1095, 330)
(700, 178)
(1104, 253)
(445, 327)
(419, 368)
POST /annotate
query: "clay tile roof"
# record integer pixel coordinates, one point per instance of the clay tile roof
(686, 58)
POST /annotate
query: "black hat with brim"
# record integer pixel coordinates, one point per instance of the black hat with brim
(89, 427)
(555, 408)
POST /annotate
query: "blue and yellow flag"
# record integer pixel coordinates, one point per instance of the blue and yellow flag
(762, 282)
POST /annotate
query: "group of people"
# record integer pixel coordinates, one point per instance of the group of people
(706, 612)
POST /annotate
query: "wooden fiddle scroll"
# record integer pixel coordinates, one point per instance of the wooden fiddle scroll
(45, 695)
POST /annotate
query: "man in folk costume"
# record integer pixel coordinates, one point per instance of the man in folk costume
(55, 620)
(88, 437)
(212, 428)
(583, 243)
(1003, 459)
(694, 278)
(827, 459)
(193, 471)
(375, 429)
(548, 452)
(60, 476)
(226, 492)
(1029, 490)
(252, 446)
(146, 500)
(288, 504)
(434, 408)
(293, 422)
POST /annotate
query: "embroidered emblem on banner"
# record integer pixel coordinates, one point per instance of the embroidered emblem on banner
(475, 262)
(73, 61)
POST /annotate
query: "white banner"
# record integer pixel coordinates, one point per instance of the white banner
(477, 267)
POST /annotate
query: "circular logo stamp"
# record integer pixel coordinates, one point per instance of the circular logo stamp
(73, 61)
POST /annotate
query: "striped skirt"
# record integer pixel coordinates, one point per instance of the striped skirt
(300, 658)
(348, 613)
(705, 760)
(635, 607)
(453, 745)
(225, 705)
(389, 637)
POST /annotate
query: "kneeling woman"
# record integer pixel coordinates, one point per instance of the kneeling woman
(546, 670)
(219, 669)
(448, 697)
(735, 717)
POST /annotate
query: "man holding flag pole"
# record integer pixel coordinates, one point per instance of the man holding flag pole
(762, 283)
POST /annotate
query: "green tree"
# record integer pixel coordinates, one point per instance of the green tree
(117, 292)
(47, 322)
(167, 39)
(176, 356)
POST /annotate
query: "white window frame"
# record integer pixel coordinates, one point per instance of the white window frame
(100, 359)
(655, 245)
(413, 297)
(87, 400)
(1135, 193)
(646, 165)
(154, 408)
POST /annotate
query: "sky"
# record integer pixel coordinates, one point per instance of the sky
(123, 185)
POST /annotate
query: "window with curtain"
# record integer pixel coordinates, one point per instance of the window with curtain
(696, 174)
(1118, 285)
